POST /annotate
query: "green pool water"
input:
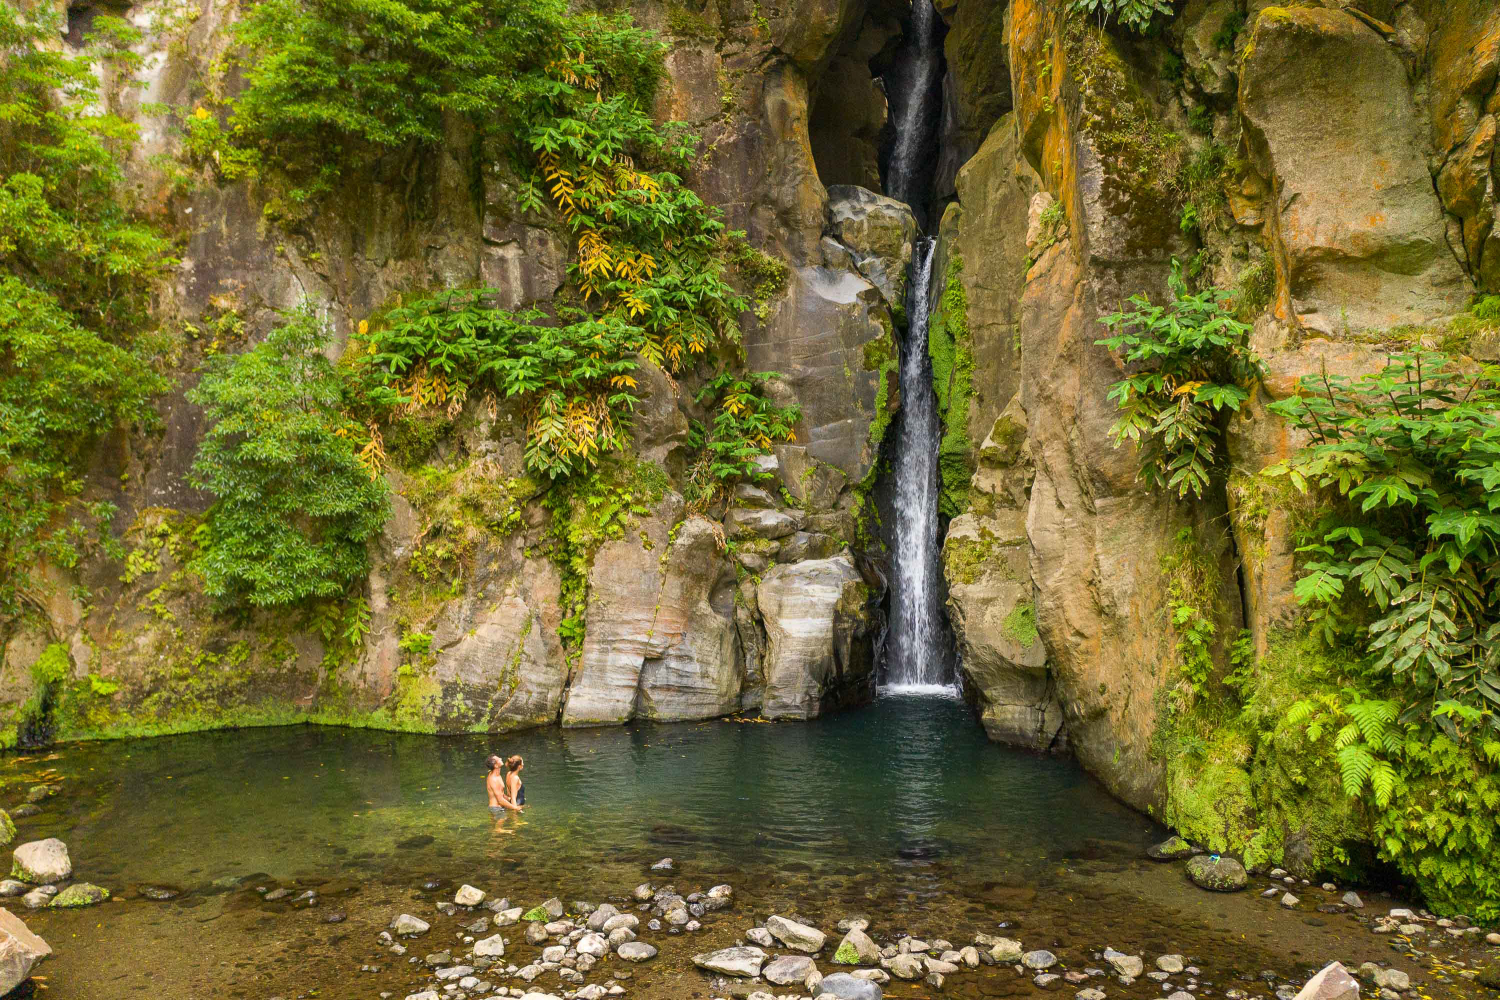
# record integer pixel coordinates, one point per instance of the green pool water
(901, 811)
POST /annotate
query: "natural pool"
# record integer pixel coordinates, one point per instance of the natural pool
(901, 811)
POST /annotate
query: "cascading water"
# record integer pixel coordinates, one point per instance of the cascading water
(917, 645)
(918, 652)
(915, 88)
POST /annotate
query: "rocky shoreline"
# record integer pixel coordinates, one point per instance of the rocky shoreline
(584, 951)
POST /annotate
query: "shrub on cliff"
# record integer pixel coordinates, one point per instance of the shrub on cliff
(77, 262)
(296, 498)
(1192, 363)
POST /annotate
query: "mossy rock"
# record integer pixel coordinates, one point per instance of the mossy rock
(536, 913)
(1174, 848)
(80, 894)
(7, 828)
(846, 954)
(1217, 874)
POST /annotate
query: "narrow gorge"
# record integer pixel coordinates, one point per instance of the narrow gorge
(1121, 375)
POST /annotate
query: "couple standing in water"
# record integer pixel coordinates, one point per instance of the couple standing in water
(506, 789)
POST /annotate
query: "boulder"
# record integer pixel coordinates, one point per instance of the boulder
(407, 925)
(20, 950)
(1129, 966)
(737, 961)
(878, 232)
(1006, 951)
(794, 935)
(784, 970)
(1174, 848)
(815, 621)
(42, 861)
(1217, 875)
(80, 894)
(857, 948)
(636, 951)
(1392, 979)
(847, 987)
(1333, 982)
(490, 947)
(601, 916)
(907, 966)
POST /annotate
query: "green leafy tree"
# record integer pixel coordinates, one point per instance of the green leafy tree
(1408, 566)
(77, 264)
(296, 501)
(1192, 363)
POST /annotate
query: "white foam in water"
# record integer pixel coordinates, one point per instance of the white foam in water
(919, 691)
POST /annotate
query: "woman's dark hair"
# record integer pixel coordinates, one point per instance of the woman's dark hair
(513, 763)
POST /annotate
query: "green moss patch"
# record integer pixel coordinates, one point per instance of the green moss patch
(949, 345)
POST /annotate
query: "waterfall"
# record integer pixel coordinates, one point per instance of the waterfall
(918, 651)
(916, 95)
(917, 644)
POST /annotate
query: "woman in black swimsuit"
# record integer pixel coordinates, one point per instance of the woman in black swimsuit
(514, 786)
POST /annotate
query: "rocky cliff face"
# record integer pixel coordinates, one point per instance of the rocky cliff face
(1335, 165)
(1319, 152)
(770, 602)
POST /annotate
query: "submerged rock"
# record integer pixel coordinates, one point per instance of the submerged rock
(1038, 960)
(1006, 950)
(1217, 875)
(157, 893)
(80, 894)
(20, 950)
(42, 861)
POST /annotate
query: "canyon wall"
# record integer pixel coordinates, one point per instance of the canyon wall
(1333, 164)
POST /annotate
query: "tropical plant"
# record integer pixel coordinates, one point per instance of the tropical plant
(77, 264)
(745, 424)
(1409, 565)
(1193, 363)
(296, 497)
(1133, 14)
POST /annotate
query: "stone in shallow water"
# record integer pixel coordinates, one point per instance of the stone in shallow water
(1170, 963)
(1129, 966)
(795, 935)
(602, 915)
(1040, 959)
(636, 951)
(25, 811)
(80, 894)
(158, 893)
(1332, 983)
(468, 896)
(10, 887)
(906, 966)
(1173, 848)
(20, 949)
(738, 961)
(787, 969)
(1289, 901)
(1089, 994)
(1222, 875)
(847, 987)
(1046, 979)
(858, 948)
(410, 926)
(42, 861)
(1006, 950)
